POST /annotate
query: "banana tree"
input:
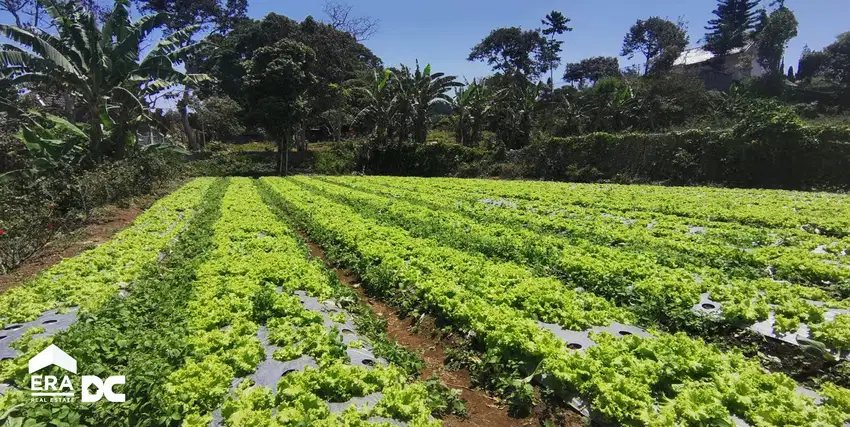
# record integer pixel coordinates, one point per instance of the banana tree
(471, 110)
(380, 109)
(103, 67)
(427, 90)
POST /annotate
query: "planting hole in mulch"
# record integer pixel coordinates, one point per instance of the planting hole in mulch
(483, 410)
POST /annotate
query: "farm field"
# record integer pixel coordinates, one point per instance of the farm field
(603, 296)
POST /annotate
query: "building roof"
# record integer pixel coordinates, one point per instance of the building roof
(698, 55)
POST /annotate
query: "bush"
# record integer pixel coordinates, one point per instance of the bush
(336, 161)
(777, 151)
(407, 159)
(236, 164)
(32, 212)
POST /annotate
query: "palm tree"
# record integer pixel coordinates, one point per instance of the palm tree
(428, 89)
(102, 67)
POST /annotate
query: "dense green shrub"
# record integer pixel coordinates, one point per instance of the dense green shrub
(407, 159)
(32, 211)
(333, 162)
(776, 152)
(226, 163)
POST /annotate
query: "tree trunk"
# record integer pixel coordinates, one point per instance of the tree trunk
(96, 136)
(301, 138)
(68, 98)
(187, 127)
(283, 146)
(288, 142)
(280, 155)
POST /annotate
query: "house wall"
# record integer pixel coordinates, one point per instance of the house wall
(733, 71)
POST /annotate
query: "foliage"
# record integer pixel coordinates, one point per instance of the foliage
(731, 28)
(223, 14)
(277, 80)
(472, 105)
(777, 30)
(221, 116)
(555, 24)
(427, 90)
(811, 62)
(380, 106)
(513, 50)
(102, 66)
(659, 40)
(339, 62)
(837, 65)
(592, 70)
(768, 152)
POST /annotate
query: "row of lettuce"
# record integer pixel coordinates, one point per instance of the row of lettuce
(187, 331)
(670, 379)
(650, 272)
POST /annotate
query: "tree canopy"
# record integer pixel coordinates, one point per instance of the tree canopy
(514, 50)
(776, 30)
(659, 40)
(181, 13)
(592, 70)
(732, 26)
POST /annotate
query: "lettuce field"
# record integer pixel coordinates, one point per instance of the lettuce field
(632, 305)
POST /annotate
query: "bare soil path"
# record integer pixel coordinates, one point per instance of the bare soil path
(484, 411)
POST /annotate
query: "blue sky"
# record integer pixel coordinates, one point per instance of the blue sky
(442, 32)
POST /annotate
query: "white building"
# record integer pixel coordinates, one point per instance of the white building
(739, 64)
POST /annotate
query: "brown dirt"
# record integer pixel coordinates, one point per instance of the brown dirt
(484, 411)
(101, 227)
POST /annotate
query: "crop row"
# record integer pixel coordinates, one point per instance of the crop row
(205, 319)
(664, 380)
(656, 293)
(249, 280)
(826, 212)
(141, 336)
(785, 254)
(94, 276)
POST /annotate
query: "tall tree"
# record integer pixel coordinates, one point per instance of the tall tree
(339, 61)
(222, 14)
(811, 63)
(731, 28)
(340, 17)
(555, 24)
(591, 70)
(513, 51)
(277, 79)
(837, 64)
(776, 30)
(428, 89)
(659, 40)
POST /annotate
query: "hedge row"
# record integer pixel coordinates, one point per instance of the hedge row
(808, 157)
(430, 159)
(32, 211)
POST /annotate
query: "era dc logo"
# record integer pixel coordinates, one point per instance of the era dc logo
(104, 389)
(48, 388)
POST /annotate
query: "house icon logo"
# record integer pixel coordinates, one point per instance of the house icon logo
(49, 388)
(53, 356)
